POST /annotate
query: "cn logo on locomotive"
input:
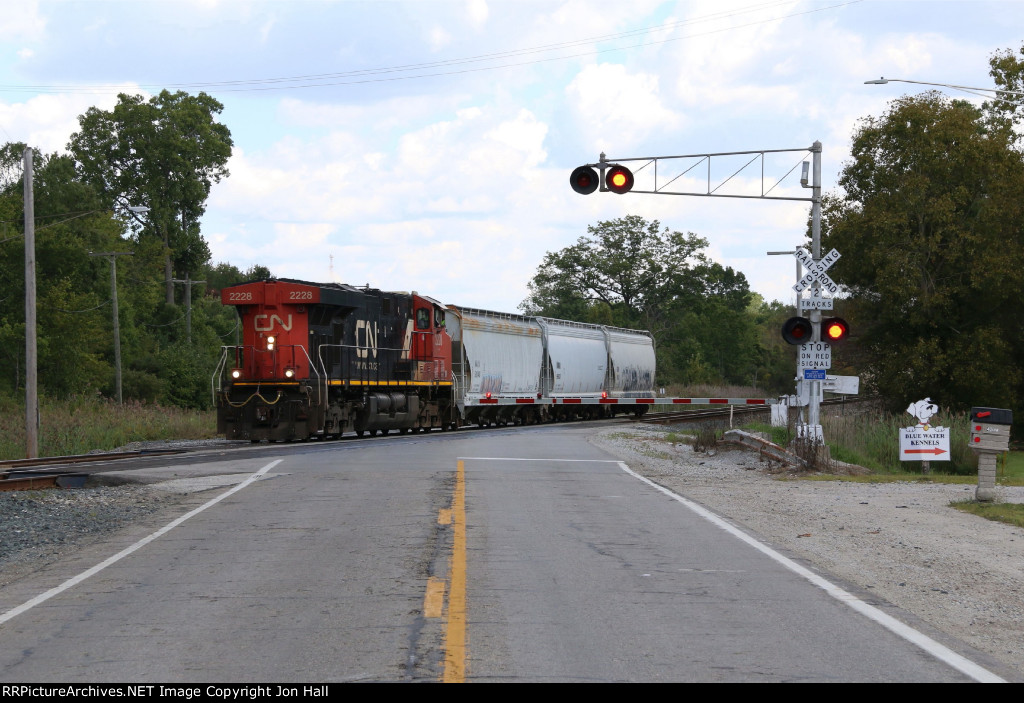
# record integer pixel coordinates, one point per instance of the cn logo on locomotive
(270, 326)
(369, 337)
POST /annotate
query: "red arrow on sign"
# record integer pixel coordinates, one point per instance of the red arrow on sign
(933, 450)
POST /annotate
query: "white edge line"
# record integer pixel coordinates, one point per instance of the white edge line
(509, 458)
(75, 580)
(939, 651)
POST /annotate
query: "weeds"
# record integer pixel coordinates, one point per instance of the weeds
(705, 440)
(1010, 513)
(81, 424)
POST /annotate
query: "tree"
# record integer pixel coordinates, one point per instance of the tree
(73, 289)
(628, 272)
(164, 154)
(930, 227)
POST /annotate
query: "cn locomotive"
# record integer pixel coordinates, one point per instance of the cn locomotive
(320, 360)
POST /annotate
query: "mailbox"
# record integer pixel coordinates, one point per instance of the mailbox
(990, 429)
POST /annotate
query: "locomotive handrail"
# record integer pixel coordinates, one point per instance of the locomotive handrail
(218, 374)
(320, 356)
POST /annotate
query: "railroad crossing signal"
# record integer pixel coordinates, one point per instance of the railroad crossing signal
(834, 329)
(816, 270)
(616, 178)
(619, 179)
(797, 330)
(584, 180)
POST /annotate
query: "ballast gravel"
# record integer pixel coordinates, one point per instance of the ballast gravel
(899, 543)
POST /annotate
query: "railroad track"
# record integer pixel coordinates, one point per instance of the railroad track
(48, 472)
(41, 472)
(687, 416)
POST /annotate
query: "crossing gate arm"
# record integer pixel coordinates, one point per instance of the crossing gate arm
(621, 401)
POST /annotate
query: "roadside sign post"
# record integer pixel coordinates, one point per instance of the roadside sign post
(923, 442)
(815, 356)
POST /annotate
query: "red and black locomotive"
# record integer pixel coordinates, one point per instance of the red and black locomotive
(325, 359)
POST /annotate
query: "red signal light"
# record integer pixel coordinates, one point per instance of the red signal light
(834, 329)
(797, 330)
(618, 179)
(584, 180)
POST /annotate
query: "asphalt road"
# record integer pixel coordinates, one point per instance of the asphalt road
(522, 555)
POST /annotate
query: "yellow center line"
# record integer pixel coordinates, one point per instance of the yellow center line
(455, 629)
(433, 600)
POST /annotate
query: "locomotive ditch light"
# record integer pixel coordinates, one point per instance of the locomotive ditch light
(834, 329)
(618, 179)
(584, 180)
(289, 373)
(797, 330)
(236, 374)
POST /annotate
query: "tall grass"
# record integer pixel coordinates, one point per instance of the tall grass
(81, 424)
(871, 440)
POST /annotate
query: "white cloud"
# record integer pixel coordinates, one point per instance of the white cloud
(616, 108)
(22, 22)
(438, 38)
(47, 122)
(477, 13)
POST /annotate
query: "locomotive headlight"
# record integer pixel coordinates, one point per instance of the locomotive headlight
(270, 342)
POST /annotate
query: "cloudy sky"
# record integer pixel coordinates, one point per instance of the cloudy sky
(426, 145)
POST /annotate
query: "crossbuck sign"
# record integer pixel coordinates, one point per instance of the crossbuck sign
(816, 270)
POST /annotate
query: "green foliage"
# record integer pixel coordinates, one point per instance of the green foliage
(161, 361)
(164, 154)
(930, 225)
(630, 273)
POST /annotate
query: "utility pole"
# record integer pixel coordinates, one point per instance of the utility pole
(188, 304)
(31, 349)
(112, 257)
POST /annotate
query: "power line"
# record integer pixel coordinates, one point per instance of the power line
(379, 75)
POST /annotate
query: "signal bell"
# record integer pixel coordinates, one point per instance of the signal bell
(797, 330)
(834, 329)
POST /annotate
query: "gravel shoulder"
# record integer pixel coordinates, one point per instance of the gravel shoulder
(902, 542)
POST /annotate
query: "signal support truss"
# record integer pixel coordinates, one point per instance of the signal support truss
(664, 188)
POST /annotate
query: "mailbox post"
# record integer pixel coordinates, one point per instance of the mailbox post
(990, 435)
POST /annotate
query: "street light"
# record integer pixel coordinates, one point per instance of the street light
(883, 81)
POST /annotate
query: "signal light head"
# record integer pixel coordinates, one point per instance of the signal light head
(618, 179)
(834, 329)
(797, 330)
(584, 180)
